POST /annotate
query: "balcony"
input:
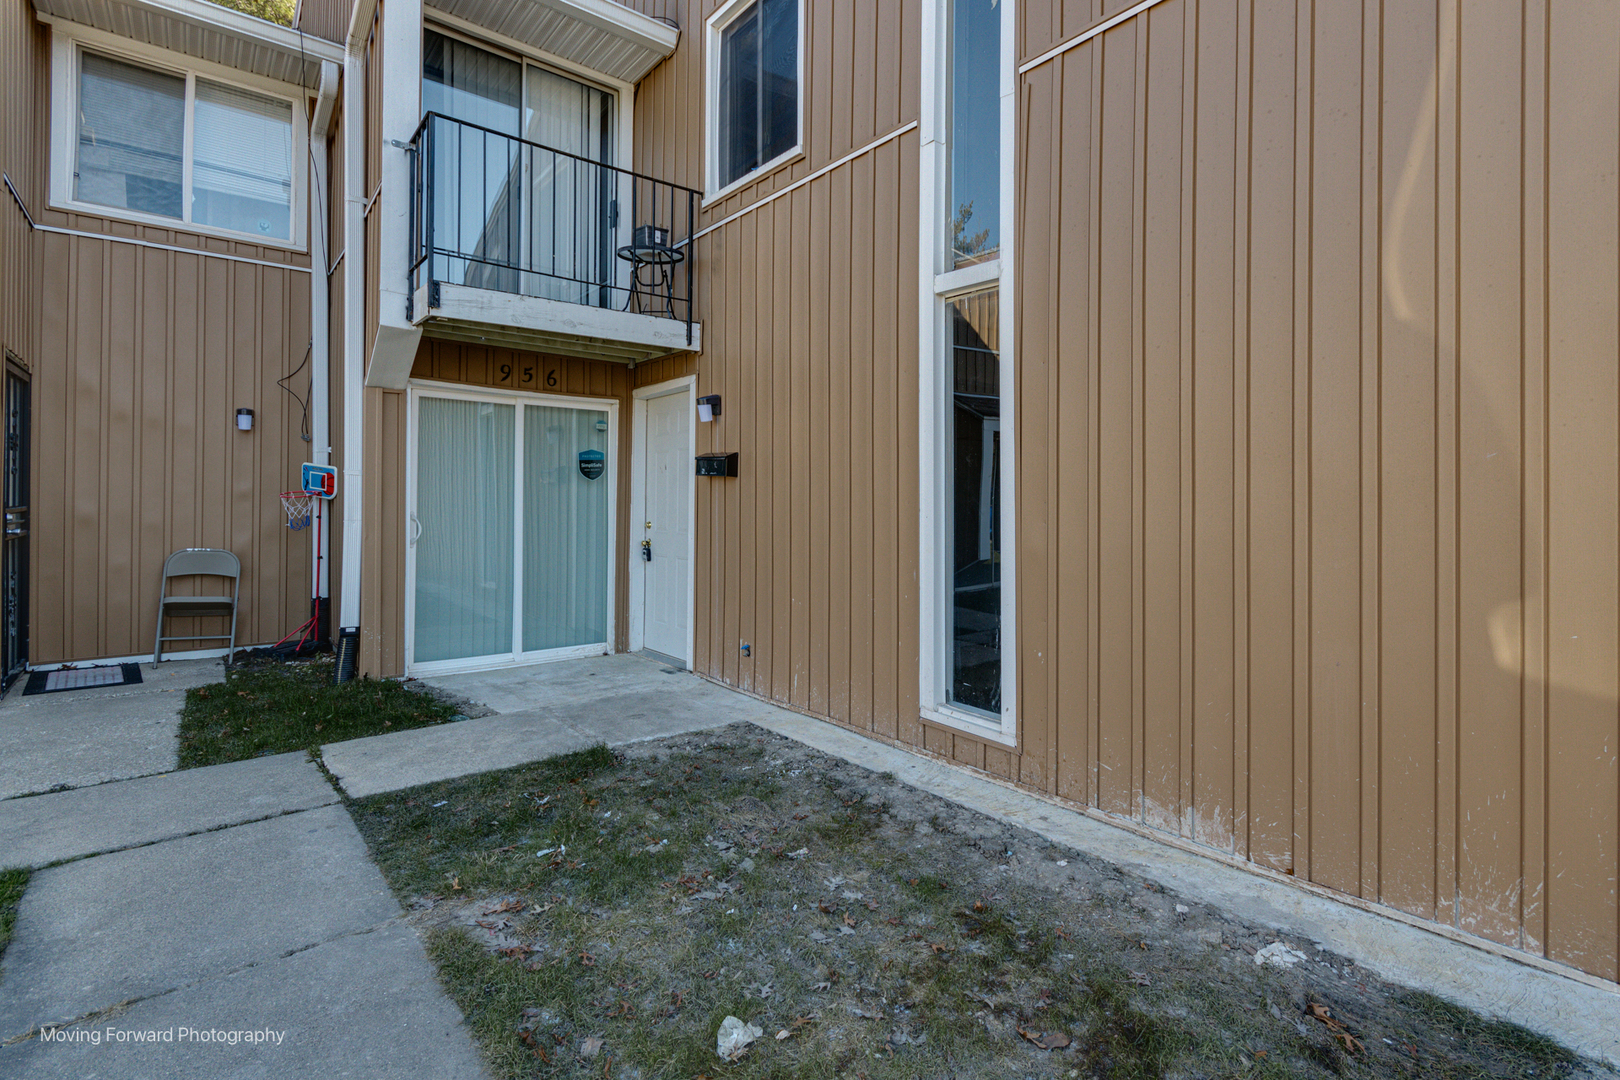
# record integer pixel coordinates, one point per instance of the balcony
(521, 245)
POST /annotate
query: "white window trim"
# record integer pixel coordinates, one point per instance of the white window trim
(937, 284)
(723, 17)
(686, 386)
(69, 42)
(423, 388)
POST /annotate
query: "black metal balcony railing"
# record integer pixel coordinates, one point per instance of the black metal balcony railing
(492, 211)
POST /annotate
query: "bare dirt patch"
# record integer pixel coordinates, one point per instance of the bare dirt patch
(601, 914)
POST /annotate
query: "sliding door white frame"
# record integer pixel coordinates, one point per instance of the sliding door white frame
(609, 407)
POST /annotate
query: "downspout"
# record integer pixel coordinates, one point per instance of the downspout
(354, 344)
(320, 333)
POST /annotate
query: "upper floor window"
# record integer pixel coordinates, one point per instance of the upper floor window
(170, 145)
(975, 132)
(754, 88)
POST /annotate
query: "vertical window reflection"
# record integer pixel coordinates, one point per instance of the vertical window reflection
(974, 207)
(975, 486)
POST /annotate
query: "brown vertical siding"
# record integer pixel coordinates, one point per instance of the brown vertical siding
(1319, 483)
(140, 358)
(143, 359)
(1339, 286)
(23, 47)
(861, 76)
(327, 19)
(809, 336)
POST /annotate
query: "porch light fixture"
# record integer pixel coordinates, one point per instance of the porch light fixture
(244, 419)
(708, 407)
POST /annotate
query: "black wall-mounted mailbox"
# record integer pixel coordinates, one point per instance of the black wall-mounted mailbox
(717, 464)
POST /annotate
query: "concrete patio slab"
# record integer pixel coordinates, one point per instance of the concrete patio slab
(568, 682)
(102, 930)
(85, 737)
(398, 1026)
(40, 829)
(542, 710)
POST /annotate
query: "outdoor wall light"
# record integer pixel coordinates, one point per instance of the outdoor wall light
(708, 407)
(244, 419)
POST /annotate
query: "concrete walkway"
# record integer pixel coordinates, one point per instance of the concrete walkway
(232, 899)
(540, 710)
(85, 737)
(276, 919)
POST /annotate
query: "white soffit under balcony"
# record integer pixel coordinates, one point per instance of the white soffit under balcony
(602, 35)
(506, 320)
(206, 31)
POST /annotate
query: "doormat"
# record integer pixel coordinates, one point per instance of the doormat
(81, 678)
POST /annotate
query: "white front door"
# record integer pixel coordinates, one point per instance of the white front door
(666, 526)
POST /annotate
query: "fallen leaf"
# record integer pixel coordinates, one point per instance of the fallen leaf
(1335, 1027)
(504, 906)
(1046, 1040)
(590, 1048)
(783, 1034)
(848, 921)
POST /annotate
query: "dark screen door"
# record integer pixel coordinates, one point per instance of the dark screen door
(14, 557)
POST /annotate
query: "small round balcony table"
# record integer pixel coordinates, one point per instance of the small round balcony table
(652, 275)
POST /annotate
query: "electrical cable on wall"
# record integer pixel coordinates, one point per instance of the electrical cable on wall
(303, 402)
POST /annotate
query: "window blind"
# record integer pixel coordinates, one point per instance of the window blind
(241, 174)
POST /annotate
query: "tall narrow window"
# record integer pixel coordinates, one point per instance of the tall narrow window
(757, 97)
(967, 513)
(975, 132)
(974, 441)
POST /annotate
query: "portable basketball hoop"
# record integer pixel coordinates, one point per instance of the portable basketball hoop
(297, 506)
(320, 482)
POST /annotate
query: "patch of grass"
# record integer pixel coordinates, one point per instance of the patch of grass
(639, 900)
(12, 884)
(1520, 1051)
(274, 708)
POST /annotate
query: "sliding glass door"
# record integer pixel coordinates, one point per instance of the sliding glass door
(510, 530)
(521, 201)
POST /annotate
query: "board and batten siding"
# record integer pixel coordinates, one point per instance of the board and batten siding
(143, 358)
(1318, 426)
(24, 43)
(139, 358)
(1319, 514)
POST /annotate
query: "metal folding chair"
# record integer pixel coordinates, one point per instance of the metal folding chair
(198, 562)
